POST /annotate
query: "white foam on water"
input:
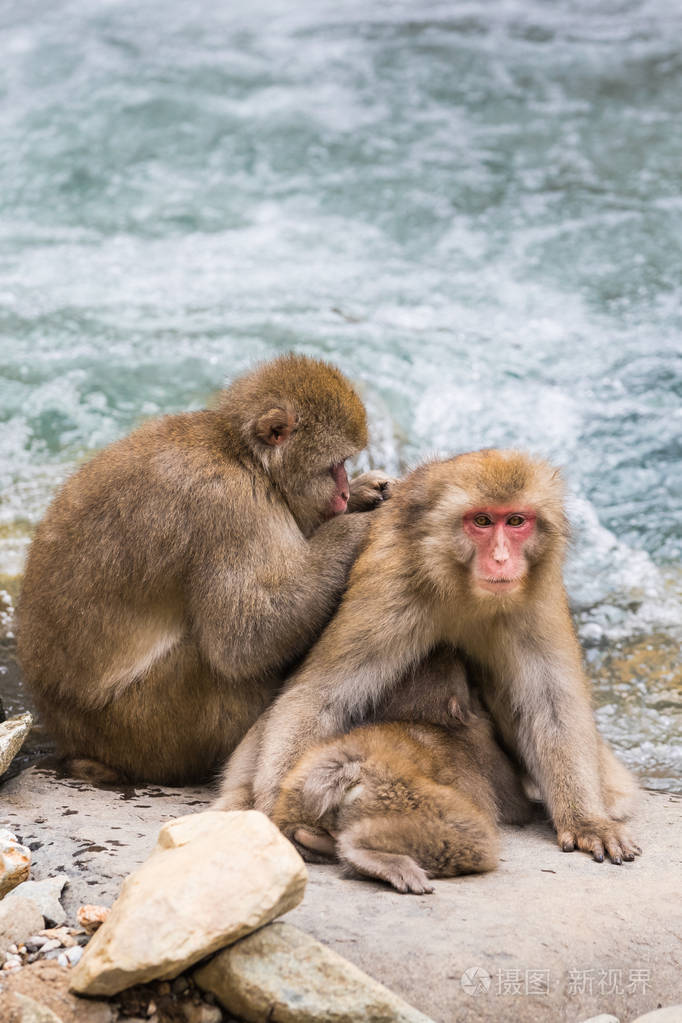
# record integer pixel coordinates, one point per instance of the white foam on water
(473, 210)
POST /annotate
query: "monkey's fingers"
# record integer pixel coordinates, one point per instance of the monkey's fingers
(369, 490)
(624, 847)
(599, 838)
(618, 845)
(566, 841)
(591, 843)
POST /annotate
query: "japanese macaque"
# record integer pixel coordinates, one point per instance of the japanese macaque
(434, 692)
(405, 802)
(469, 551)
(180, 573)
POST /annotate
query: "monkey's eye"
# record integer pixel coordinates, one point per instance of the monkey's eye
(482, 520)
(515, 520)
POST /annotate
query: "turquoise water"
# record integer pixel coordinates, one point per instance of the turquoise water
(473, 208)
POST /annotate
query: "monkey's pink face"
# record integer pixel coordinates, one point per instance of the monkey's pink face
(339, 499)
(500, 536)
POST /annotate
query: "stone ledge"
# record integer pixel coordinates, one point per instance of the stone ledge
(542, 910)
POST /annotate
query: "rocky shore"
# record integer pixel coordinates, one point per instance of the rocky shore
(547, 936)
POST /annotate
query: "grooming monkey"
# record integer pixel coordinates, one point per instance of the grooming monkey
(179, 574)
(469, 551)
(405, 802)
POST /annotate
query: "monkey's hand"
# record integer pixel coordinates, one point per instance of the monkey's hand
(369, 490)
(598, 836)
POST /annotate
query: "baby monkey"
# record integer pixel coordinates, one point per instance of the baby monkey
(404, 801)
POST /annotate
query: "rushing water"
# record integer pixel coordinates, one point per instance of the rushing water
(473, 208)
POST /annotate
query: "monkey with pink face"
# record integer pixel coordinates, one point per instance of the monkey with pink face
(469, 552)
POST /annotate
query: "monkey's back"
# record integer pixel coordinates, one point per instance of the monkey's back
(378, 789)
(104, 596)
(111, 541)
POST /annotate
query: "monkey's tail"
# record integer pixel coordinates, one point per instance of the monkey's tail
(328, 782)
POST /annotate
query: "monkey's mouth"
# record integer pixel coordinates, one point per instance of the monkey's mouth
(339, 501)
(501, 585)
(338, 505)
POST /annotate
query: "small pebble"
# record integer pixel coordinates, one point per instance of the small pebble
(164, 987)
(62, 960)
(179, 985)
(12, 962)
(202, 1014)
(13, 949)
(36, 941)
(73, 954)
(60, 934)
(51, 944)
(151, 1008)
(91, 917)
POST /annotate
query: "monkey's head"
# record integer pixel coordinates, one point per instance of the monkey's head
(494, 526)
(300, 420)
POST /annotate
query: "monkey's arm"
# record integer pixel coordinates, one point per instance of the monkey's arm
(236, 783)
(557, 738)
(257, 610)
(365, 649)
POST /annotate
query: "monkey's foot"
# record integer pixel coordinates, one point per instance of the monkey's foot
(402, 872)
(92, 771)
(314, 846)
(598, 837)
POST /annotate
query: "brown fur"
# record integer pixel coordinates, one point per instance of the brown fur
(410, 589)
(179, 574)
(407, 801)
(435, 692)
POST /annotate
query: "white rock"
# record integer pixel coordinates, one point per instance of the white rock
(604, 1017)
(73, 955)
(46, 896)
(51, 945)
(15, 862)
(284, 974)
(13, 732)
(19, 918)
(212, 878)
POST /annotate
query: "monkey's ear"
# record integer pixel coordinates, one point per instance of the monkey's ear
(459, 712)
(275, 426)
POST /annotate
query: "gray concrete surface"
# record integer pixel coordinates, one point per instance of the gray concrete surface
(584, 937)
